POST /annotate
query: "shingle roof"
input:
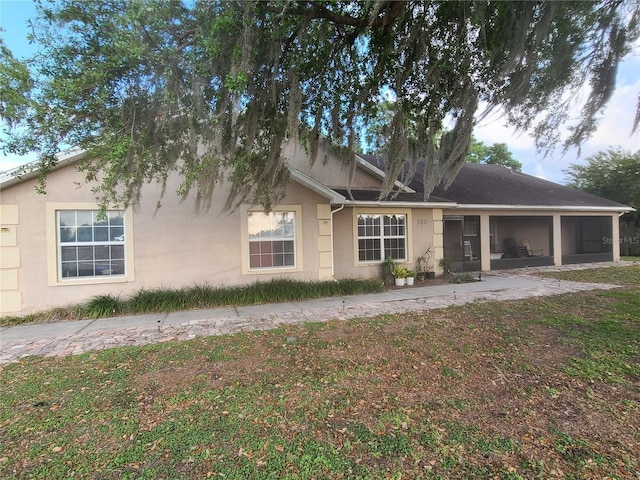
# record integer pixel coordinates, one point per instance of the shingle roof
(497, 185)
(482, 184)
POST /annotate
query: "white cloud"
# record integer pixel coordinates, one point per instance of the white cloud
(8, 162)
(540, 172)
(614, 130)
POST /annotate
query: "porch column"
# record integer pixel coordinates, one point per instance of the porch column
(557, 239)
(438, 240)
(485, 243)
(615, 237)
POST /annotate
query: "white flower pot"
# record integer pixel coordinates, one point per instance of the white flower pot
(400, 282)
(410, 281)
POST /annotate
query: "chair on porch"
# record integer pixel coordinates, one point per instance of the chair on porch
(468, 252)
(510, 248)
(531, 252)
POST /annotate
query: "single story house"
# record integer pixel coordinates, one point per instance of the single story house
(55, 250)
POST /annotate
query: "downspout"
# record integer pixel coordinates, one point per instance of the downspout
(332, 260)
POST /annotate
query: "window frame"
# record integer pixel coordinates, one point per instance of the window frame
(297, 239)
(382, 237)
(55, 245)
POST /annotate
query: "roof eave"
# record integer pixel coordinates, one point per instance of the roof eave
(30, 170)
(305, 180)
(381, 174)
(561, 208)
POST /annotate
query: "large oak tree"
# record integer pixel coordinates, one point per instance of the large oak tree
(213, 89)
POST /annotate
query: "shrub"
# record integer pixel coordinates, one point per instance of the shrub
(103, 306)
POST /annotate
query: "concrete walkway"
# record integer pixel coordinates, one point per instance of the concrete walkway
(69, 338)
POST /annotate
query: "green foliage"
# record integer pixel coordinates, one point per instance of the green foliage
(464, 277)
(609, 340)
(446, 265)
(612, 174)
(202, 296)
(629, 275)
(387, 267)
(400, 271)
(15, 84)
(496, 154)
(103, 306)
(158, 80)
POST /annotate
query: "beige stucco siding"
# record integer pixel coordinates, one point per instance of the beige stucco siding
(420, 236)
(171, 246)
(329, 170)
(10, 294)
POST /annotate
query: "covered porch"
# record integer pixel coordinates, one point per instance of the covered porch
(587, 239)
(520, 241)
(506, 240)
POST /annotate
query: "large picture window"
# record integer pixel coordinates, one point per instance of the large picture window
(272, 239)
(90, 244)
(382, 236)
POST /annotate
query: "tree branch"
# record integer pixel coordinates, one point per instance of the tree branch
(315, 10)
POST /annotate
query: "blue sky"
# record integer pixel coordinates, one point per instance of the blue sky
(614, 128)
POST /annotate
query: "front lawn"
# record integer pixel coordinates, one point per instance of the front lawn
(542, 388)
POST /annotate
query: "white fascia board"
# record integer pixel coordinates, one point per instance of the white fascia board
(315, 186)
(381, 175)
(564, 208)
(30, 170)
(383, 203)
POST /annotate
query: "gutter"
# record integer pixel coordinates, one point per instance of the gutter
(379, 203)
(562, 208)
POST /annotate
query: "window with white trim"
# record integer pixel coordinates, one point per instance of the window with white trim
(90, 244)
(272, 239)
(382, 236)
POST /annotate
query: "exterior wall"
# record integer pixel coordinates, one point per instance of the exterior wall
(344, 255)
(424, 230)
(325, 242)
(10, 294)
(329, 170)
(171, 246)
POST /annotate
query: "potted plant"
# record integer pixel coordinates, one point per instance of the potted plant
(400, 275)
(387, 268)
(424, 269)
(411, 275)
